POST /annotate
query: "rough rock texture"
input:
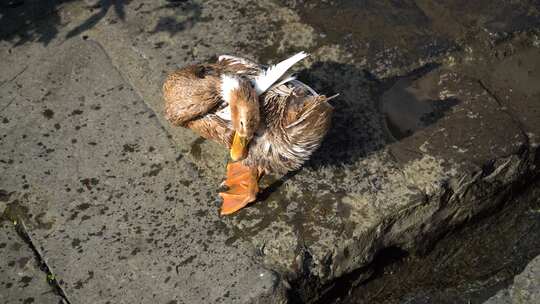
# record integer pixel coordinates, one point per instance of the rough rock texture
(422, 141)
(468, 265)
(524, 290)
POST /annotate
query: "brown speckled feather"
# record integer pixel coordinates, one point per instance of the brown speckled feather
(295, 122)
(294, 119)
(214, 128)
(192, 95)
(195, 97)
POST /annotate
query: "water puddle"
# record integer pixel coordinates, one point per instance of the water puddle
(413, 103)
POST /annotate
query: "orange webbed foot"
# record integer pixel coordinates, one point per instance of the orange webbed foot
(243, 187)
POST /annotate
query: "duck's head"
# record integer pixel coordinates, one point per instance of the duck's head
(245, 116)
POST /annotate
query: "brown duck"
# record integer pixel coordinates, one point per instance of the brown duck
(271, 122)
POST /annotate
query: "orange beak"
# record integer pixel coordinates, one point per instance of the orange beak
(239, 147)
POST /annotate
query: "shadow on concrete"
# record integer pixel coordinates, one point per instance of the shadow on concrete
(39, 20)
(104, 7)
(171, 25)
(20, 20)
(359, 127)
(465, 254)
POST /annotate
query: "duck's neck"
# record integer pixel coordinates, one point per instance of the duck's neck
(228, 86)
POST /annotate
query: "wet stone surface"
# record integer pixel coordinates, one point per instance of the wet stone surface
(525, 288)
(469, 265)
(118, 213)
(22, 281)
(388, 36)
(433, 125)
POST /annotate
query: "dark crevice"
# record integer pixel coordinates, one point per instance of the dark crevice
(340, 288)
(307, 289)
(391, 258)
(14, 77)
(21, 230)
(7, 105)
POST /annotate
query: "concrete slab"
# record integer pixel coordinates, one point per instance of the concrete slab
(110, 200)
(366, 188)
(376, 182)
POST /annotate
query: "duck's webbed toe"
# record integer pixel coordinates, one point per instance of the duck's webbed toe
(243, 187)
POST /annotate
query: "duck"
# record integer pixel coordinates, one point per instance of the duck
(269, 120)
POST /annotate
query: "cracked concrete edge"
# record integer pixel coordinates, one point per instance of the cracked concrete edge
(22, 231)
(507, 110)
(455, 204)
(460, 200)
(41, 270)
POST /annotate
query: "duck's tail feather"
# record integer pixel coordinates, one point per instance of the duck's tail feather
(306, 87)
(332, 97)
(268, 77)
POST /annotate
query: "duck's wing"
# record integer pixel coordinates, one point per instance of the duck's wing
(290, 86)
(240, 66)
(262, 77)
(191, 93)
(298, 99)
(274, 73)
(212, 127)
(298, 119)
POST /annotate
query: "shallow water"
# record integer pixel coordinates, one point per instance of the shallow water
(412, 104)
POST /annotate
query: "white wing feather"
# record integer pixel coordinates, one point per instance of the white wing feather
(268, 77)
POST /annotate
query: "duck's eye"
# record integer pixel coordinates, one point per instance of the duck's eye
(242, 124)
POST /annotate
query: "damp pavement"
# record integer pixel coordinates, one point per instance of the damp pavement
(437, 123)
